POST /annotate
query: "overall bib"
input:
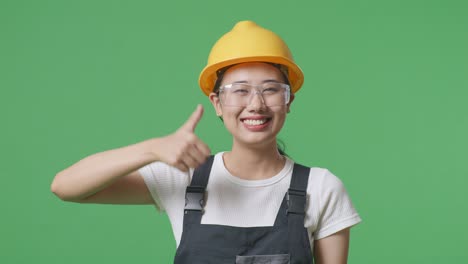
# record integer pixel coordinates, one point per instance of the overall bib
(286, 242)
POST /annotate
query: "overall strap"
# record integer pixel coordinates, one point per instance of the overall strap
(195, 193)
(297, 191)
(296, 201)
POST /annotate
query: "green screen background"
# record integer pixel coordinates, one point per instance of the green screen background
(383, 107)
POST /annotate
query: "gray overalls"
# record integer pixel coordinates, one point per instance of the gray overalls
(286, 242)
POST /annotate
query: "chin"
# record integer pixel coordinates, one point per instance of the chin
(257, 140)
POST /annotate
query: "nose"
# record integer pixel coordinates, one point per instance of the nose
(256, 101)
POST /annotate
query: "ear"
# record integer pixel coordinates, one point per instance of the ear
(214, 99)
(291, 99)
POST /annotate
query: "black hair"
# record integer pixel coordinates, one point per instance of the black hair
(281, 146)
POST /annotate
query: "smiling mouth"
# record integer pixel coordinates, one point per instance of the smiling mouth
(255, 122)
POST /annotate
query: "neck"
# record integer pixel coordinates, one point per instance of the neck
(254, 163)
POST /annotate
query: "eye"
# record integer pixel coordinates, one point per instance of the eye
(271, 89)
(240, 90)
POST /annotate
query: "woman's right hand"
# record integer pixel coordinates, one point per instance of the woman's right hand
(183, 149)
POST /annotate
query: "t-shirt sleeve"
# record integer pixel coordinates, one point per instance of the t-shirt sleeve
(336, 211)
(165, 183)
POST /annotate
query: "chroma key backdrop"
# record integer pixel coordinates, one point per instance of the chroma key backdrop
(383, 106)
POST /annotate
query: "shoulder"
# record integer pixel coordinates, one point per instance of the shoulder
(329, 208)
(325, 190)
(164, 182)
(323, 179)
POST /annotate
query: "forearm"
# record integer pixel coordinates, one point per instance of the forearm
(99, 170)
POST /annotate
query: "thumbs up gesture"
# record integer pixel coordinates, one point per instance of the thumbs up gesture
(183, 149)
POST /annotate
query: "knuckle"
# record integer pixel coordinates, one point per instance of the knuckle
(185, 148)
(206, 151)
(192, 138)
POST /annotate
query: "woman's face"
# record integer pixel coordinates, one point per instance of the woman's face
(255, 124)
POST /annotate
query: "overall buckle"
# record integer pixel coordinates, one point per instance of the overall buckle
(296, 201)
(194, 198)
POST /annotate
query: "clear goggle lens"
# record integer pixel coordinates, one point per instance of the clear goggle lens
(241, 94)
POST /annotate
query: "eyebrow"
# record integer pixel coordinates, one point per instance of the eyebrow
(271, 80)
(264, 81)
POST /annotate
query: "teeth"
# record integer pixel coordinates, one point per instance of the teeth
(255, 122)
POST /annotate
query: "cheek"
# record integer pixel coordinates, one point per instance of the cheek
(281, 113)
(230, 117)
(281, 121)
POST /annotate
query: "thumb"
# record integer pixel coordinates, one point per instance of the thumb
(193, 120)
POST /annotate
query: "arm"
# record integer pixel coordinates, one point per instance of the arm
(107, 177)
(112, 177)
(332, 249)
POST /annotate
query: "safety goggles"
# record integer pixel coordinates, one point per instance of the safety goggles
(241, 94)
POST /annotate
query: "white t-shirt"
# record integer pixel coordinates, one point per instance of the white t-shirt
(233, 201)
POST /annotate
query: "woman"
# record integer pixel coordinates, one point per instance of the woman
(248, 205)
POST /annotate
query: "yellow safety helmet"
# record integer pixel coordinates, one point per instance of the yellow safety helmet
(248, 42)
